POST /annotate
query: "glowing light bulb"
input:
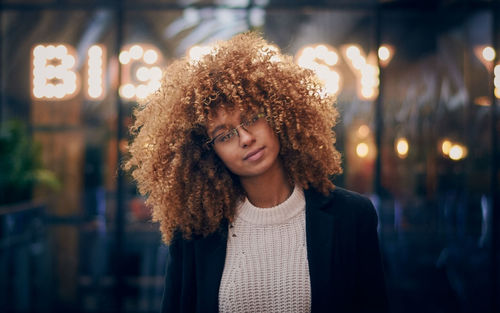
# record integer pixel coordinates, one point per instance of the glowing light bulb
(124, 57)
(136, 52)
(95, 73)
(38, 50)
(143, 74)
(321, 59)
(402, 147)
(196, 53)
(95, 52)
(53, 72)
(362, 150)
(61, 50)
(353, 52)
(456, 152)
(367, 93)
(142, 91)
(68, 61)
(127, 91)
(384, 53)
(155, 73)
(140, 65)
(488, 53)
(358, 62)
(154, 85)
(363, 131)
(150, 56)
(446, 146)
(331, 58)
(496, 72)
(95, 92)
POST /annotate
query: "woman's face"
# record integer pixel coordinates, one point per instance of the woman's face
(250, 151)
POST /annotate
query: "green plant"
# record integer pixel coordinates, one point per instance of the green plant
(21, 167)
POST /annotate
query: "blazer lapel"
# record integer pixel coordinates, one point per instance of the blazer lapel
(211, 255)
(320, 240)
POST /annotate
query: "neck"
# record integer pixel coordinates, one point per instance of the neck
(269, 189)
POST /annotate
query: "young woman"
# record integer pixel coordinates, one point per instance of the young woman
(235, 153)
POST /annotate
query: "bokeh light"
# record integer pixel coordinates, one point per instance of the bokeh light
(402, 147)
(362, 150)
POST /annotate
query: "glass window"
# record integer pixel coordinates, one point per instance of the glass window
(435, 152)
(65, 112)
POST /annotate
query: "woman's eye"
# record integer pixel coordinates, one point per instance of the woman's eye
(251, 121)
(225, 137)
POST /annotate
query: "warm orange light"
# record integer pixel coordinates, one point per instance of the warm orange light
(385, 54)
(196, 53)
(127, 91)
(366, 72)
(150, 56)
(363, 131)
(488, 53)
(124, 57)
(446, 146)
(136, 52)
(146, 78)
(142, 74)
(367, 93)
(53, 73)
(496, 82)
(321, 59)
(271, 50)
(362, 150)
(353, 52)
(95, 72)
(456, 152)
(402, 147)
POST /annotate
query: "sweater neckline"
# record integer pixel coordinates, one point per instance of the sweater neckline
(279, 214)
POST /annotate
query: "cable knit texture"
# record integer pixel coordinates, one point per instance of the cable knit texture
(266, 268)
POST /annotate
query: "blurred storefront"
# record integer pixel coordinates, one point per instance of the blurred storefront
(416, 85)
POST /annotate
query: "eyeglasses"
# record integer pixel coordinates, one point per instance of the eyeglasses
(229, 137)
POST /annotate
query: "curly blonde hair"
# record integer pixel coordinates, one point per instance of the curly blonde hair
(188, 187)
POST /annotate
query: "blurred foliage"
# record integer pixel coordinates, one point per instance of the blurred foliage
(21, 166)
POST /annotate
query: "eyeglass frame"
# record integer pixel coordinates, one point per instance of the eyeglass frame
(211, 142)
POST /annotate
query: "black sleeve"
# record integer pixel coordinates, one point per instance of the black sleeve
(371, 295)
(173, 278)
(179, 294)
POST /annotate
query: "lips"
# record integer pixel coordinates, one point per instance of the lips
(254, 155)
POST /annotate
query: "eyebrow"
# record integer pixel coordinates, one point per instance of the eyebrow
(217, 128)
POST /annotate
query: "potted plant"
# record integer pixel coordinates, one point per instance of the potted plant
(21, 166)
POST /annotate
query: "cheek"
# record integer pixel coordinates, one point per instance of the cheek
(229, 159)
(275, 142)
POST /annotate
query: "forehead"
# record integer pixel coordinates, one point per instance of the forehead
(223, 117)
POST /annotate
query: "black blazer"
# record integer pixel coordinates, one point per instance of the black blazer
(342, 250)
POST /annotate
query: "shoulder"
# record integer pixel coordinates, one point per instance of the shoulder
(341, 202)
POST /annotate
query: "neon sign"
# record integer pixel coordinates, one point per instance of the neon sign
(55, 78)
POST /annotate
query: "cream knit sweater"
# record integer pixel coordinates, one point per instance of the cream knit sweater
(266, 268)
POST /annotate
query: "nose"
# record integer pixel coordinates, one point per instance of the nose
(246, 138)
